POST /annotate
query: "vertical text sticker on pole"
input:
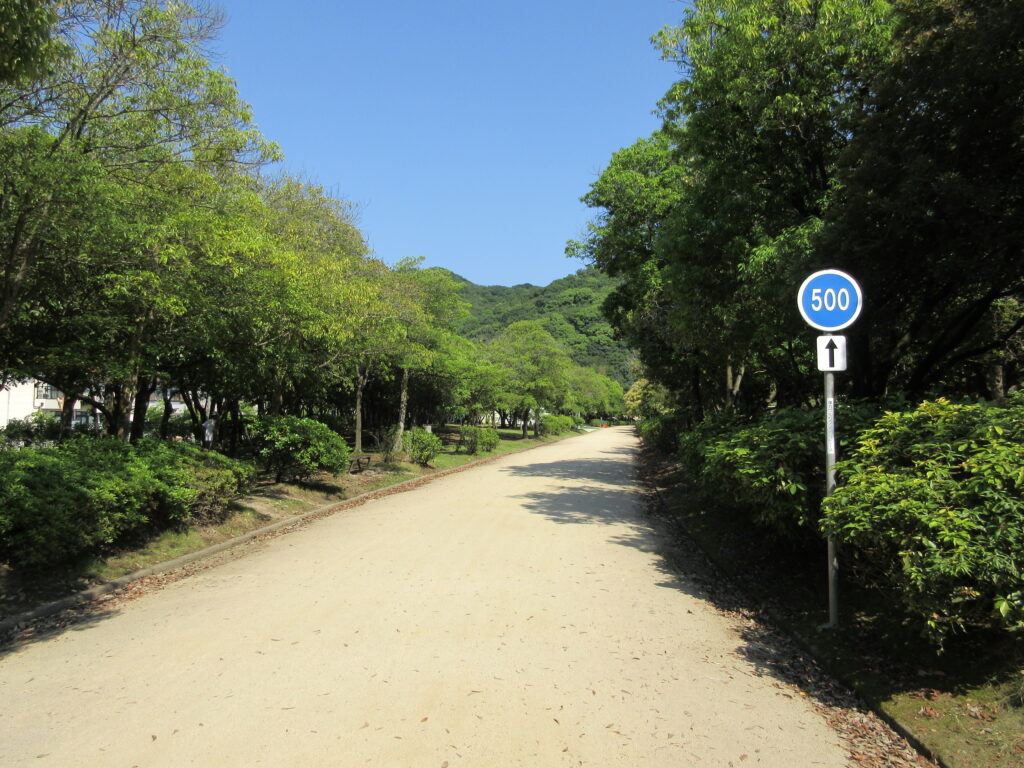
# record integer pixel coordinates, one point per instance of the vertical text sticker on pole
(829, 300)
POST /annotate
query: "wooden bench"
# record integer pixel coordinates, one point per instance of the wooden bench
(358, 462)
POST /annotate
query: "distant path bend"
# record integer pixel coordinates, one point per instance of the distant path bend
(516, 614)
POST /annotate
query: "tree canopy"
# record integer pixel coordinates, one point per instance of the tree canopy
(875, 137)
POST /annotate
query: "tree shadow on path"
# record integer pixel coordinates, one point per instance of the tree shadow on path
(605, 492)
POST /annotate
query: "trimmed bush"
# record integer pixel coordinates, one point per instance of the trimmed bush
(36, 429)
(422, 446)
(292, 448)
(774, 466)
(932, 500)
(58, 503)
(478, 439)
(554, 424)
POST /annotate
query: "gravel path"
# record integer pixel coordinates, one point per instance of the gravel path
(519, 613)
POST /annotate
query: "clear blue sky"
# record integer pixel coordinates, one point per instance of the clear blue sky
(464, 131)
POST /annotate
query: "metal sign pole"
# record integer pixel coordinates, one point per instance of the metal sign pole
(830, 300)
(830, 486)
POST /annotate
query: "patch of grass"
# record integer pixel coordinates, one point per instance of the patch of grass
(965, 705)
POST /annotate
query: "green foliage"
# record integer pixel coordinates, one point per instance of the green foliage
(25, 45)
(179, 425)
(932, 502)
(773, 467)
(386, 442)
(661, 431)
(553, 424)
(932, 184)
(646, 399)
(87, 493)
(478, 439)
(422, 446)
(569, 309)
(38, 428)
(294, 448)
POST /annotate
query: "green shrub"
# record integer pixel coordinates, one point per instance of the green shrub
(488, 439)
(422, 446)
(58, 503)
(478, 439)
(774, 466)
(662, 432)
(295, 448)
(554, 424)
(194, 485)
(932, 501)
(36, 429)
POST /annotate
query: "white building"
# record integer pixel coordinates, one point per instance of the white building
(19, 401)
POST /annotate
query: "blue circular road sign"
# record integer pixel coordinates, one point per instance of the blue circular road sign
(829, 300)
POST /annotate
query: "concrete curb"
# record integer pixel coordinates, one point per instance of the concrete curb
(91, 594)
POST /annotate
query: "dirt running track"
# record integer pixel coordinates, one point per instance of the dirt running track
(511, 615)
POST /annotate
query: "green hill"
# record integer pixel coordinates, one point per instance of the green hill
(570, 308)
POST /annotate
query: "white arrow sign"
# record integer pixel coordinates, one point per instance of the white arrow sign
(831, 353)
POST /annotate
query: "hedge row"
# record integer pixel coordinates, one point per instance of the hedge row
(930, 503)
(61, 502)
(554, 424)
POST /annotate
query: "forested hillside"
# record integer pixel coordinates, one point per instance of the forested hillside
(569, 308)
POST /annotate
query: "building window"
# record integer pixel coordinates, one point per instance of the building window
(46, 391)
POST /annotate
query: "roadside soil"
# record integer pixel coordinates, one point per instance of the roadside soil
(529, 611)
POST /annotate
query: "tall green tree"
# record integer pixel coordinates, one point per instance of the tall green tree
(771, 94)
(26, 46)
(930, 214)
(536, 370)
(132, 94)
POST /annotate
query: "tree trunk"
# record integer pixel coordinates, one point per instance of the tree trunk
(146, 387)
(196, 412)
(526, 423)
(536, 422)
(403, 404)
(362, 375)
(996, 380)
(277, 399)
(165, 419)
(67, 415)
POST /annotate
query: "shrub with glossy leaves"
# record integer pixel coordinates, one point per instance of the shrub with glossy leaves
(773, 466)
(60, 502)
(292, 448)
(932, 502)
(37, 429)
